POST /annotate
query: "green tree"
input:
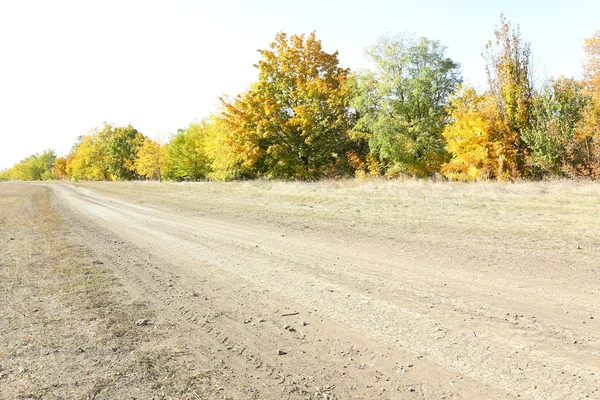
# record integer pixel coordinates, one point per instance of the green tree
(36, 167)
(48, 164)
(402, 102)
(122, 146)
(185, 155)
(29, 169)
(294, 121)
(556, 115)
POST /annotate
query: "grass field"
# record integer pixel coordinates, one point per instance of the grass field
(490, 286)
(68, 326)
(560, 216)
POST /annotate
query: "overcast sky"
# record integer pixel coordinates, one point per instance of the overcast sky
(67, 66)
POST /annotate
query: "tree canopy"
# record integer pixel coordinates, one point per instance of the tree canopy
(402, 102)
(307, 117)
(293, 122)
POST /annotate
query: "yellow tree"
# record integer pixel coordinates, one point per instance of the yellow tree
(293, 122)
(224, 160)
(185, 155)
(150, 161)
(69, 165)
(589, 129)
(89, 159)
(509, 78)
(591, 68)
(469, 137)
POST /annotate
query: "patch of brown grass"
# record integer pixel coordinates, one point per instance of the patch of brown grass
(68, 329)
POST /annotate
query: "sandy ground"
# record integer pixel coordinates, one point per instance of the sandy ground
(68, 326)
(343, 290)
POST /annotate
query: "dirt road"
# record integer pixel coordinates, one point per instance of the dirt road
(289, 312)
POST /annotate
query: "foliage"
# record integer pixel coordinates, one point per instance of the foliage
(552, 139)
(402, 102)
(293, 122)
(185, 155)
(36, 167)
(224, 160)
(60, 167)
(510, 83)
(470, 136)
(88, 159)
(307, 118)
(591, 68)
(589, 130)
(105, 154)
(150, 161)
(122, 145)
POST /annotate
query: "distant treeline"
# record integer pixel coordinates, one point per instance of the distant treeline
(307, 118)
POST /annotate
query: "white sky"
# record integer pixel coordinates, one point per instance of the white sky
(67, 66)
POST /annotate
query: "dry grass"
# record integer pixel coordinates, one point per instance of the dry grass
(542, 215)
(68, 328)
(517, 228)
(480, 252)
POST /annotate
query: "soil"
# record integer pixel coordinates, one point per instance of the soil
(293, 291)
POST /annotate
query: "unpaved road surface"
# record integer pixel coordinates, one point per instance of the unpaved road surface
(290, 312)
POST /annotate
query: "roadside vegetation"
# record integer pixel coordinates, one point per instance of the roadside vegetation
(410, 114)
(528, 215)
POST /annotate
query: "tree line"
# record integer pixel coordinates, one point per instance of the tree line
(410, 114)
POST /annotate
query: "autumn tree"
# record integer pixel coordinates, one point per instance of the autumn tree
(88, 159)
(224, 161)
(150, 161)
(293, 122)
(402, 102)
(591, 68)
(469, 136)
(185, 155)
(47, 161)
(557, 112)
(588, 132)
(69, 164)
(105, 154)
(36, 167)
(60, 167)
(510, 83)
(122, 146)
